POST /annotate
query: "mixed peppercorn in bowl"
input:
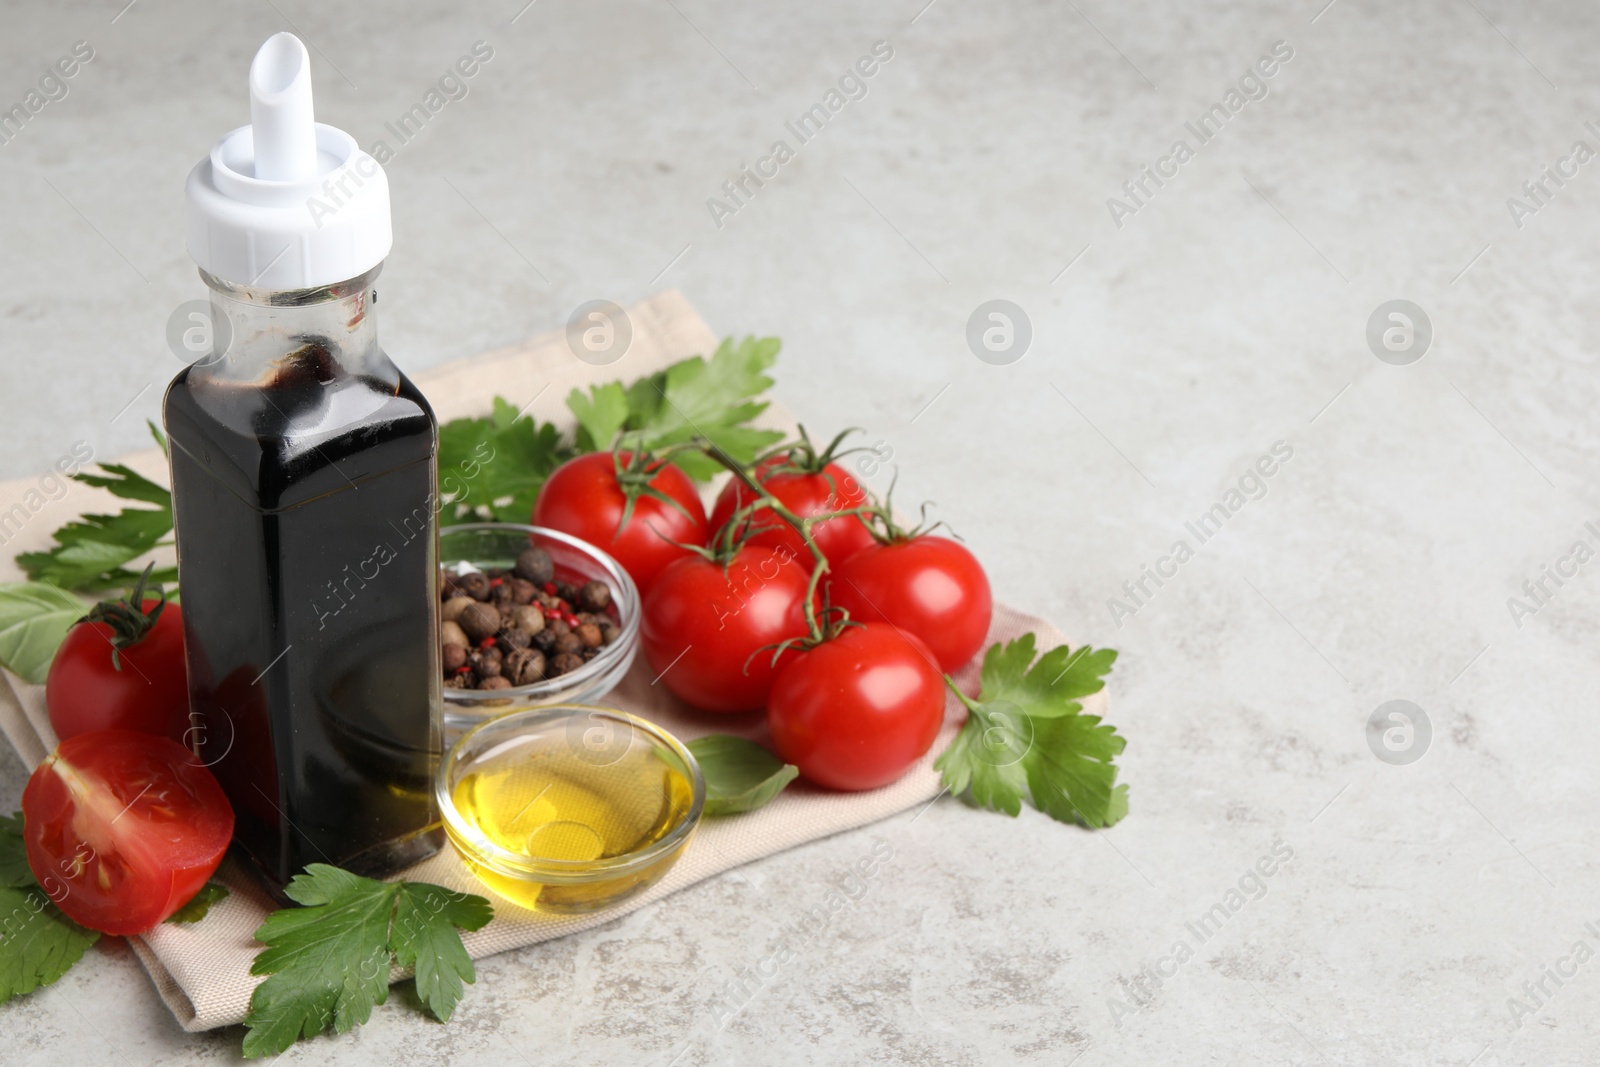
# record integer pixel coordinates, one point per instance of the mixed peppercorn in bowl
(530, 615)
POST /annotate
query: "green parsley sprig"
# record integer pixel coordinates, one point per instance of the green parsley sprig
(329, 960)
(715, 399)
(38, 944)
(1026, 737)
(493, 467)
(199, 905)
(91, 552)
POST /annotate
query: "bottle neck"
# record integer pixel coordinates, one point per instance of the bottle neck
(268, 335)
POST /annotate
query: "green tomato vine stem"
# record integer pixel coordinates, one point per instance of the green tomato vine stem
(818, 631)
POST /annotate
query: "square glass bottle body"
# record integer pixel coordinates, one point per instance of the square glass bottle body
(304, 499)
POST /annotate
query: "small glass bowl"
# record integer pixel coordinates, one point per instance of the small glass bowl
(569, 809)
(497, 544)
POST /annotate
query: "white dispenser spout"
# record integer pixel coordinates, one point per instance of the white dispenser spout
(286, 202)
(281, 120)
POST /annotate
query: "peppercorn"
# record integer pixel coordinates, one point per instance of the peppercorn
(534, 565)
(458, 681)
(486, 662)
(455, 657)
(609, 632)
(568, 642)
(522, 591)
(594, 596)
(566, 662)
(500, 594)
(511, 637)
(452, 634)
(524, 666)
(557, 625)
(544, 640)
(479, 621)
(452, 609)
(475, 585)
(527, 618)
(566, 591)
(589, 634)
(495, 682)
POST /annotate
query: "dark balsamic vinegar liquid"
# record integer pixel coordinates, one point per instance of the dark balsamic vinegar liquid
(307, 549)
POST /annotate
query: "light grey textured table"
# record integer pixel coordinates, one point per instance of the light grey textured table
(1228, 311)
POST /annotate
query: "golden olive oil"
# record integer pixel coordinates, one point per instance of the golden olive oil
(574, 807)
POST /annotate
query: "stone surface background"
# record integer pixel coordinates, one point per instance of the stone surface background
(1168, 354)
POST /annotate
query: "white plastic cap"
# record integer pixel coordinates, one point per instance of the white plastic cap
(287, 202)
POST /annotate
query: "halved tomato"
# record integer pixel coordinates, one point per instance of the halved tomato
(122, 828)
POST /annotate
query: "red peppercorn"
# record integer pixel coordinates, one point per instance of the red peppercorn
(463, 669)
(549, 588)
(571, 620)
(496, 581)
(487, 642)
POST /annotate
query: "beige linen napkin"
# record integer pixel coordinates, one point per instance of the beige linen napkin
(203, 970)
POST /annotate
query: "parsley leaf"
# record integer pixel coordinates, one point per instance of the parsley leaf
(601, 415)
(329, 960)
(424, 938)
(90, 552)
(713, 398)
(494, 467)
(14, 870)
(38, 944)
(740, 775)
(128, 484)
(1026, 737)
(199, 904)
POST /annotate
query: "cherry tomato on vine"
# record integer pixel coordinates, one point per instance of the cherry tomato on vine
(706, 631)
(122, 828)
(807, 487)
(928, 586)
(588, 497)
(857, 710)
(122, 668)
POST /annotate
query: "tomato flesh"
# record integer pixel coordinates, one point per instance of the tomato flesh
(856, 711)
(705, 628)
(928, 586)
(831, 489)
(146, 690)
(122, 828)
(582, 497)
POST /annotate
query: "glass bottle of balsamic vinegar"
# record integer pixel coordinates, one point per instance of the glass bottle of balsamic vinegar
(304, 499)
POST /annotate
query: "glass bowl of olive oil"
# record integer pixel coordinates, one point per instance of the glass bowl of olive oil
(569, 809)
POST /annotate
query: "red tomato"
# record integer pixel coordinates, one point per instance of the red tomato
(930, 587)
(703, 630)
(147, 689)
(830, 489)
(582, 497)
(857, 711)
(122, 828)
